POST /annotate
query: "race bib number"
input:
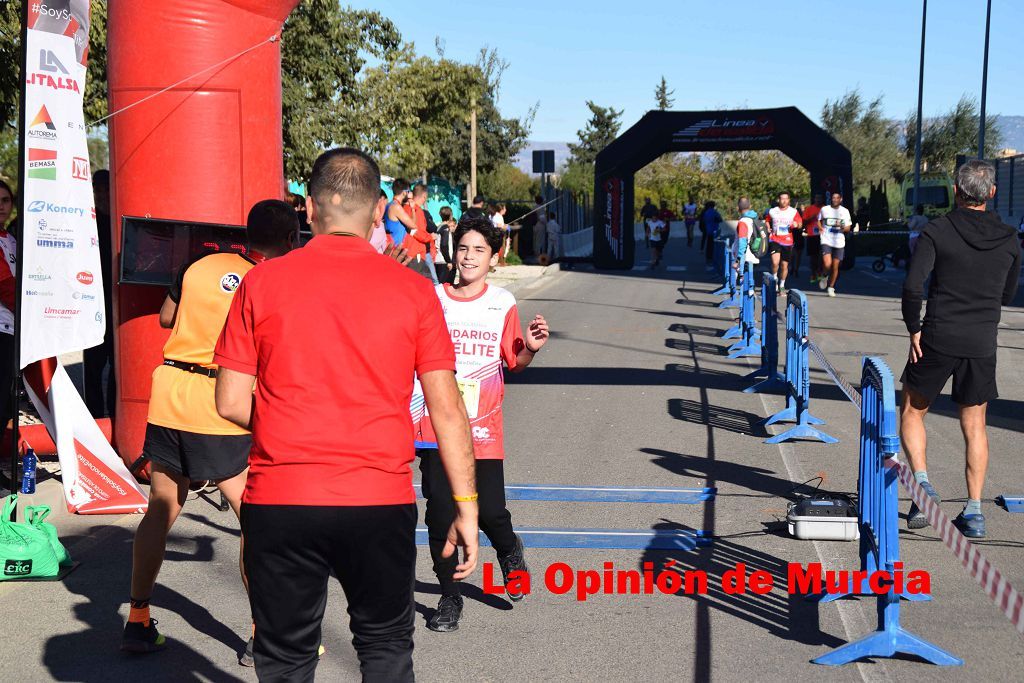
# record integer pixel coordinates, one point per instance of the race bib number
(782, 230)
(834, 224)
(470, 390)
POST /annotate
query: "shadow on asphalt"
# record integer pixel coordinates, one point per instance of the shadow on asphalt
(699, 347)
(598, 376)
(756, 479)
(92, 656)
(682, 328)
(788, 617)
(718, 417)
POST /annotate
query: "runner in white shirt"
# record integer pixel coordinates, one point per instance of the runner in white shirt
(835, 222)
(690, 217)
(658, 230)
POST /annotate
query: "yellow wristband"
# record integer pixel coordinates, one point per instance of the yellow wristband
(466, 499)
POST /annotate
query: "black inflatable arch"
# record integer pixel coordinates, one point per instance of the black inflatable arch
(660, 132)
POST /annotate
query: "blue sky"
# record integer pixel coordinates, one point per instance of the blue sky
(727, 53)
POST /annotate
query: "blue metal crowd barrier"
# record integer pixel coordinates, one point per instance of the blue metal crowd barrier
(798, 377)
(729, 273)
(723, 265)
(878, 519)
(769, 370)
(746, 329)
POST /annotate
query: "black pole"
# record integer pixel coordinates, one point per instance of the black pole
(984, 83)
(16, 356)
(920, 102)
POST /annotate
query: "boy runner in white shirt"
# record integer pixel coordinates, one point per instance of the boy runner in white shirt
(484, 325)
(835, 222)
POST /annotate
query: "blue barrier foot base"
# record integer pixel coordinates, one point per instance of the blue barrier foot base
(734, 332)
(802, 431)
(888, 644)
(724, 289)
(776, 383)
(739, 351)
(731, 302)
(822, 598)
(788, 414)
(760, 373)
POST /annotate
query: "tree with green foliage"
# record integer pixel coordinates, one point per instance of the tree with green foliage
(507, 182)
(759, 175)
(663, 96)
(324, 48)
(873, 140)
(951, 134)
(417, 118)
(498, 138)
(601, 129)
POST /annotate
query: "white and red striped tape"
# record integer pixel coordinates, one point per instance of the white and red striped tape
(1005, 596)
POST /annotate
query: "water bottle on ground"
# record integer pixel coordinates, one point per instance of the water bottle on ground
(28, 472)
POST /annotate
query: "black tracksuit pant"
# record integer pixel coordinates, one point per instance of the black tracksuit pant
(290, 552)
(495, 519)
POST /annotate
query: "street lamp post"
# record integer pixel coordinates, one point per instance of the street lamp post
(920, 102)
(984, 84)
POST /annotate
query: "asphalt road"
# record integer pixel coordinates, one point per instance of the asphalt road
(633, 390)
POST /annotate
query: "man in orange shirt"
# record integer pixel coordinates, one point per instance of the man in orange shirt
(186, 440)
(812, 236)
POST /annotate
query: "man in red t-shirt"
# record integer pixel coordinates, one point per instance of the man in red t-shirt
(330, 482)
(812, 235)
(783, 220)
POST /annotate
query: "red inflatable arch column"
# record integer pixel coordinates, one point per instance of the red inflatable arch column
(204, 151)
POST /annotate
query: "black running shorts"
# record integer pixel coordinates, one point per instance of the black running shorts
(974, 379)
(814, 245)
(784, 251)
(197, 456)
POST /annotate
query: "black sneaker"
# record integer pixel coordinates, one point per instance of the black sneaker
(446, 617)
(915, 517)
(139, 637)
(514, 561)
(246, 658)
(971, 526)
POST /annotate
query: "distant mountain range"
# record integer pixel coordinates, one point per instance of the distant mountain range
(1012, 128)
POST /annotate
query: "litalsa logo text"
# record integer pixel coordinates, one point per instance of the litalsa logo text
(50, 64)
(38, 205)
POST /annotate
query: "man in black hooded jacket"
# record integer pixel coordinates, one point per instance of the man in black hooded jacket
(974, 261)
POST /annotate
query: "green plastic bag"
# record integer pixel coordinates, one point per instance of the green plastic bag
(25, 551)
(36, 514)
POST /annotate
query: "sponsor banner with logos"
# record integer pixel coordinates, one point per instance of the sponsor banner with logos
(62, 291)
(95, 478)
